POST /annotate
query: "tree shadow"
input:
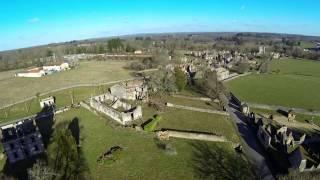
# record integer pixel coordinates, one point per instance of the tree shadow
(214, 162)
(75, 129)
(45, 121)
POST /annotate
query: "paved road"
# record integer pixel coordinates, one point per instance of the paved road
(252, 147)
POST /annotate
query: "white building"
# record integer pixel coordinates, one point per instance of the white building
(137, 52)
(52, 68)
(42, 71)
(262, 50)
(35, 72)
(64, 66)
(47, 102)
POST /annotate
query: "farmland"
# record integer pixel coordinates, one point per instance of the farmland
(291, 83)
(88, 72)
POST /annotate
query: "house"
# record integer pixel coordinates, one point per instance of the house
(131, 90)
(52, 68)
(222, 73)
(34, 72)
(275, 55)
(47, 102)
(138, 52)
(262, 50)
(64, 66)
(57, 68)
(42, 71)
(21, 140)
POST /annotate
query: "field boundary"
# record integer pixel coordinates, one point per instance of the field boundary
(197, 109)
(68, 87)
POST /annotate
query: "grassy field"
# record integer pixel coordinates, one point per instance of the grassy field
(63, 98)
(196, 121)
(15, 89)
(292, 83)
(141, 158)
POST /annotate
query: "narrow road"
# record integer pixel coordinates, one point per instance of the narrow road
(252, 148)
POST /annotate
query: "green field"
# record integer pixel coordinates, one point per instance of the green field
(63, 98)
(292, 83)
(196, 121)
(15, 89)
(141, 158)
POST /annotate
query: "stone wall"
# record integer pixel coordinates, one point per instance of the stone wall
(165, 135)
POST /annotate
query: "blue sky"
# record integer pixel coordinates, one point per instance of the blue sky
(26, 23)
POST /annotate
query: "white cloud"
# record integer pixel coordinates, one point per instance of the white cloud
(34, 20)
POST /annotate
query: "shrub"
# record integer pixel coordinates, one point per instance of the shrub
(151, 126)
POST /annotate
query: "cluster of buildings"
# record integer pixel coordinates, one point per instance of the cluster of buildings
(43, 71)
(291, 150)
(21, 140)
(113, 103)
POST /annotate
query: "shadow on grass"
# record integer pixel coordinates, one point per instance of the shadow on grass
(75, 129)
(214, 162)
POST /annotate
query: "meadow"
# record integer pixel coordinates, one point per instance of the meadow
(141, 158)
(13, 89)
(290, 83)
(63, 98)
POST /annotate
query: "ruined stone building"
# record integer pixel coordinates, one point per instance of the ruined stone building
(113, 107)
(131, 90)
(299, 154)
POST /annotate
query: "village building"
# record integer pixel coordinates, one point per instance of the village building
(222, 73)
(42, 71)
(275, 55)
(138, 52)
(21, 140)
(262, 50)
(293, 148)
(34, 73)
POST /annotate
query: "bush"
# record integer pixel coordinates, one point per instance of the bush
(152, 125)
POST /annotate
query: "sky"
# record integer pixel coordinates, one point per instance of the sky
(25, 23)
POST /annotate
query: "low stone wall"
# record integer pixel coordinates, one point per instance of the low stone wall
(106, 110)
(194, 98)
(197, 109)
(165, 135)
